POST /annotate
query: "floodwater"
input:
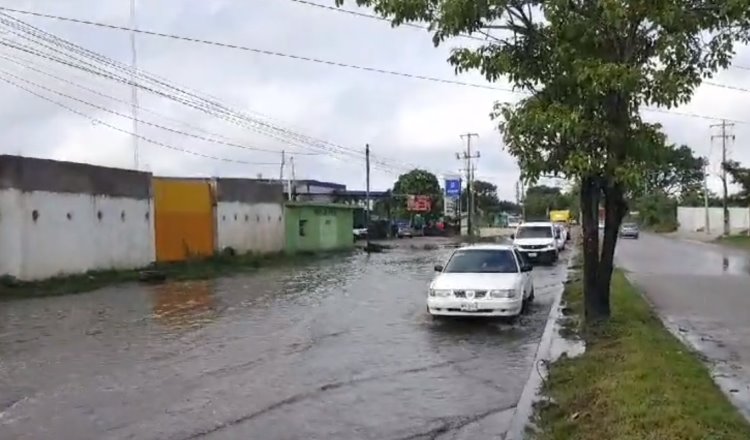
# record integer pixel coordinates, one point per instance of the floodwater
(341, 348)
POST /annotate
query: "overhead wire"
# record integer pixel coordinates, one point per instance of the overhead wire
(185, 97)
(310, 59)
(130, 133)
(20, 27)
(261, 51)
(377, 17)
(216, 137)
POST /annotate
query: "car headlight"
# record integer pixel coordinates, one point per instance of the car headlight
(504, 293)
(440, 293)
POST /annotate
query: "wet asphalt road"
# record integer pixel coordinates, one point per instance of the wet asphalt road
(702, 292)
(341, 348)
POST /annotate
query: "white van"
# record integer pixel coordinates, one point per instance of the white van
(539, 241)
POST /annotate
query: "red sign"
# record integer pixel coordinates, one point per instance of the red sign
(418, 204)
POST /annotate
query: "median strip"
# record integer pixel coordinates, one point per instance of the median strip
(635, 381)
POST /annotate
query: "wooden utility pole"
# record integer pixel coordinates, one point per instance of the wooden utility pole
(367, 193)
(725, 126)
(707, 226)
(468, 156)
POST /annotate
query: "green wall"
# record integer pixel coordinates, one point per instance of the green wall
(318, 227)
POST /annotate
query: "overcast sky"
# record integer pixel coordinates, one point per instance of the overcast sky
(406, 121)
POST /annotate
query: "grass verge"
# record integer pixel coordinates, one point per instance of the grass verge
(199, 269)
(635, 381)
(741, 241)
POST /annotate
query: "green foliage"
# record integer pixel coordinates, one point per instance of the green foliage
(541, 199)
(417, 182)
(740, 176)
(676, 171)
(657, 211)
(486, 200)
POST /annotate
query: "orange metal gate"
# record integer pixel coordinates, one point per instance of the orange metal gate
(184, 219)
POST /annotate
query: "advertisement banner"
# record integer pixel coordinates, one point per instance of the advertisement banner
(418, 203)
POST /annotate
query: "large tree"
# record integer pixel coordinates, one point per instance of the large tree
(485, 197)
(677, 171)
(741, 176)
(541, 199)
(588, 66)
(418, 183)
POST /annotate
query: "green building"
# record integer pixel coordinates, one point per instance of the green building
(313, 227)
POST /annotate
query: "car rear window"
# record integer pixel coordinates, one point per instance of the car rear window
(482, 261)
(534, 232)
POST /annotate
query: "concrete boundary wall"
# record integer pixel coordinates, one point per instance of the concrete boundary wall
(60, 218)
(692, 219)
(250, 215)
(31, 174)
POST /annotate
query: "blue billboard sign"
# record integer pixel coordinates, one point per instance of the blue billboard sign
(453, 187)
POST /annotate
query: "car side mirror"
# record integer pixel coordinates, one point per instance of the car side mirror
(527, 268)
(512, 236)
(438, 268)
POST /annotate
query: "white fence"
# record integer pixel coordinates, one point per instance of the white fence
(692, 219)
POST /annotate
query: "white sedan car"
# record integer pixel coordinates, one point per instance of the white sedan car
(482, 280)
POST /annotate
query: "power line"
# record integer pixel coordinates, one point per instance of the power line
(260, 51)
(328, 62)
(138, 120)
(225, 141)
(93, 69)
(143, 138)
(377, 17)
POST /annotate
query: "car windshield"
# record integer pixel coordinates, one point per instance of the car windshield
(482, 261)
(629, 225)
(534, 232)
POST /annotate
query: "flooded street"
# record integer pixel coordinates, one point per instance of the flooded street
(341, 348)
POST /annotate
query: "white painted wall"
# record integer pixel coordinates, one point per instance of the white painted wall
(56, 245)
(692, 219)
(257, 227)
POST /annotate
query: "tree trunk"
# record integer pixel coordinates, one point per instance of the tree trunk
(590, 191)
(615, 209)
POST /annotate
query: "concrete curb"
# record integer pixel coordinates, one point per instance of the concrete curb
(530, 394)
(720, 374)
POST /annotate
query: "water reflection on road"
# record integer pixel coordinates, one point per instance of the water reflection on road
(341, 348)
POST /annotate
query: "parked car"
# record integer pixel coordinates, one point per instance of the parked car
(482, 280)
(563, 239)
(404, 231)
(360, 233)
(538, 241)
(514, 221)
(629, 230)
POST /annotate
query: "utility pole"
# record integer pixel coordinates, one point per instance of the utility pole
(293, 178)
(468, 156)
(724, 136)
(134, 87)
(707, 226)
(283, 163)
(367, 193)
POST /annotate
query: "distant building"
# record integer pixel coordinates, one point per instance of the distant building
(314, 227)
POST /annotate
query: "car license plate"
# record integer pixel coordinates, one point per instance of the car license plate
(469, 307)
(532, 254)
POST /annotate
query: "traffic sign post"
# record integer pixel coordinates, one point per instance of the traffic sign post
(453, 187)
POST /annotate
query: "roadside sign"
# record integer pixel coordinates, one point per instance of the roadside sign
(453, 187)
(418, 203)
